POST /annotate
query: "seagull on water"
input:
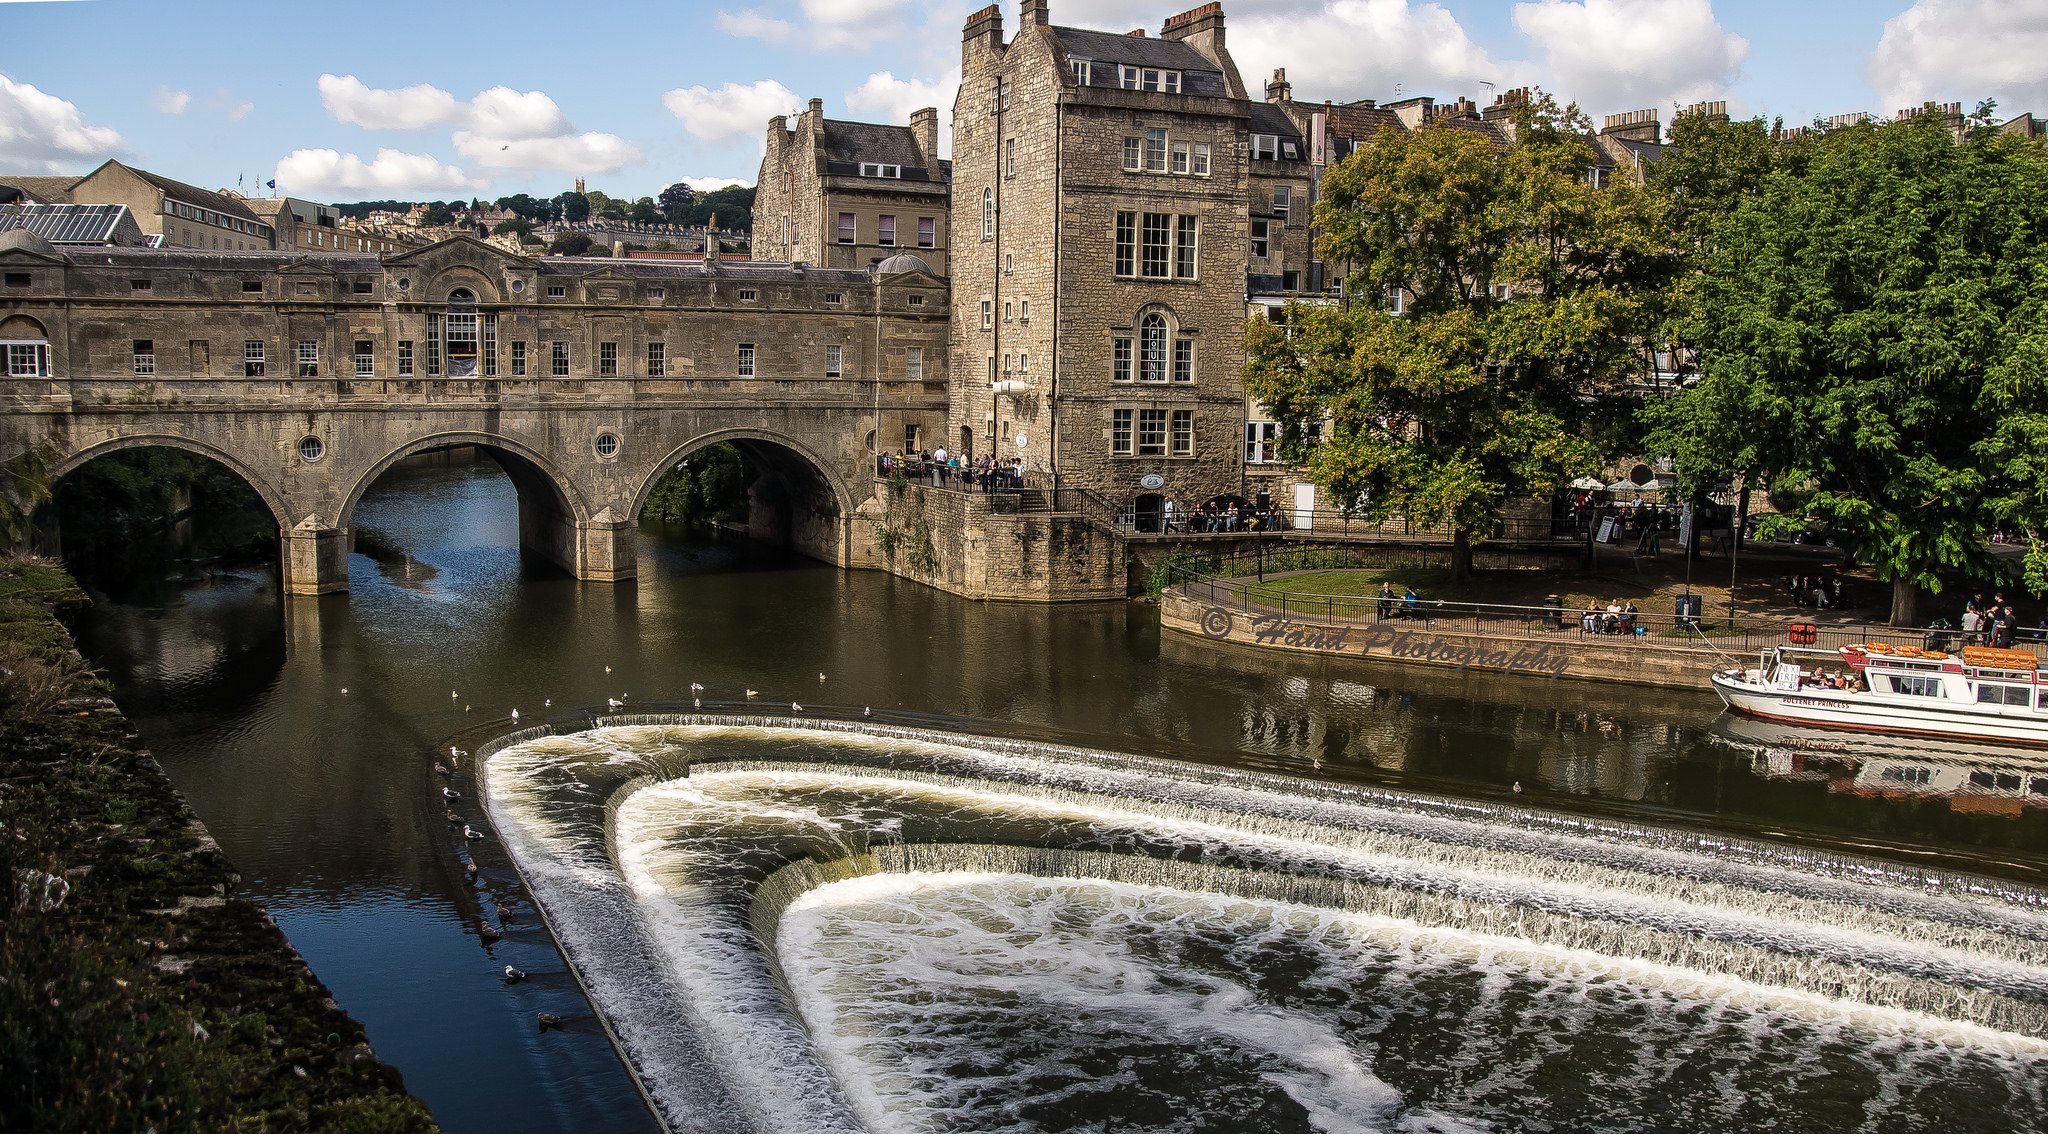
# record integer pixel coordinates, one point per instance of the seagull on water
(614, 702)
(867, 710)
(547, 702)
(548, 1020)
(469, 832)
(488, 932)
(452, 695)
(451, 816)
(821, 678)
(513, 976)
(795, 708)
(696, 688)
(441, 769)
(450, 793)
(752, 693)
(607, 669)
(515, 714)
(344, 690)
(696, 702)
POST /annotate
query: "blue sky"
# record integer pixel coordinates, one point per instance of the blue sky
(375, 98)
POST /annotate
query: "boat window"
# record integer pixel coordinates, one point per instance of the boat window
(1893, 773)
(1989, 694)
(1995, 781)
(1917, 686)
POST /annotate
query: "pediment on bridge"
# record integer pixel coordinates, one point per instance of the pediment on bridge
(309, 266)
(609, 274)
(459, 250)
(30, 256)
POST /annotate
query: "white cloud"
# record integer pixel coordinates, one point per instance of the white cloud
(575, 153)
(707, 184)
(1963, 51)
(886, 98)
(1613, 55)
(326, 174)
(1352, 49)
(233, 108)
(856, 23)
(750, 24)
(41, 131)
(350, 100)
(501, 128)
(732, 111)
(169, 101)
(506, 114)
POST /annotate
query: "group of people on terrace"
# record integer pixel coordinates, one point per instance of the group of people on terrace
(1222, 514)
(1617, 617)
(945, 470)
(1991, 624)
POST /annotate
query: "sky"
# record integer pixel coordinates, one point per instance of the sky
(374, 99)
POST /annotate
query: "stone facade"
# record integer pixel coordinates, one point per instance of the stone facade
(184, 216)
(851, 194)
(1100, 200)
(587, 379)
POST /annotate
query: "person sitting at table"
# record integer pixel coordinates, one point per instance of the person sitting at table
(1610, 619)
(1589, 622)
(1411, 604)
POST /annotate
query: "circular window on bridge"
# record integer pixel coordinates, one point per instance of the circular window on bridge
(518, 285)
(311, 449)
(404, 283)
(607, 445)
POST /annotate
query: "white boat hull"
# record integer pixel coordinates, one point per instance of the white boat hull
(1864, 712)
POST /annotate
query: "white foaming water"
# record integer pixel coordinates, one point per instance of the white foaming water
(1217, 950)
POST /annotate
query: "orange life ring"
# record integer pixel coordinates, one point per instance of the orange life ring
(1877, 648)
(1906, 651)
(1935, 655)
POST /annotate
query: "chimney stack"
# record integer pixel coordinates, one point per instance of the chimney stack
(986, 27)
(1634, 126)
(1033, 13)
(924, 126)
(1202, 29)
(1279, 90)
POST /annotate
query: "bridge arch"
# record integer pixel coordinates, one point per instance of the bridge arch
(765, 441)
(804, 505)
(554, 516)
(267, 492)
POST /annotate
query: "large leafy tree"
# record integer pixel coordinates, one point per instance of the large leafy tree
(1872, 324)
(1527, 293)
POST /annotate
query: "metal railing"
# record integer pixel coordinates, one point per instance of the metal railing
(1228, 582)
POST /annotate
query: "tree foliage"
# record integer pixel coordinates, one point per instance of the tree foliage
(572, 207)
(676, 201)
(1871, 314)
(569, 244)
(1527, 296)
(709, 486)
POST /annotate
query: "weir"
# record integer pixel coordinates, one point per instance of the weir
(749, 852)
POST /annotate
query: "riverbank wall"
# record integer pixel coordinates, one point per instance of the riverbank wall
(1547, 653)
(975, 545)
(138, 991)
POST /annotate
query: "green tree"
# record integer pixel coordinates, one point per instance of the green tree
(569, 244)
(520, 225)
(574, 207)
(1873, 329)
(733, 205)
(1527, 296)
(438, 213)
(708, 486)
(644, 212)
(676, 201)
(24, 484)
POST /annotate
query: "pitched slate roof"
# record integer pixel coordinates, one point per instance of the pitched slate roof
(41, 188)
(1199, 76)
(1270, 119)
(849, 144)
(194, 195)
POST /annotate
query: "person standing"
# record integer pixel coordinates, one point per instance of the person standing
(1386, 602)
(939, 465)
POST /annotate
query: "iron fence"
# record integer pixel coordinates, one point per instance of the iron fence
(1230, 582)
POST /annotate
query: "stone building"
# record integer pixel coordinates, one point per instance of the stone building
(1101, 186)
(180, 215)
(851, 194)
(309, 226)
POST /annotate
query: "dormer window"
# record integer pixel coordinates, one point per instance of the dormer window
(1265, 147)
(1082, 73)
(1150, 79)
(874, 169)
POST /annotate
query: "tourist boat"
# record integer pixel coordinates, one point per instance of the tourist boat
(1982, 694)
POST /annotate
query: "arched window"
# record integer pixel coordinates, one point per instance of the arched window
(1152, 348)
(471, 338)
(988, 214)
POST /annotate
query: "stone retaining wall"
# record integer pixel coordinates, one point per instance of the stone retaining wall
(1557, 653)
(959, 543)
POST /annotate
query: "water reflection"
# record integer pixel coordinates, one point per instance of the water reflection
(328, 803)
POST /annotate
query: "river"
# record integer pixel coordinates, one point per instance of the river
(305, 734)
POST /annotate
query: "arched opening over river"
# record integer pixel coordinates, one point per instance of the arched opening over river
(780, 494)
(139, 508)
(547, 511)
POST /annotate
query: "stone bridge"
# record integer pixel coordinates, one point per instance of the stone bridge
(585, 380)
